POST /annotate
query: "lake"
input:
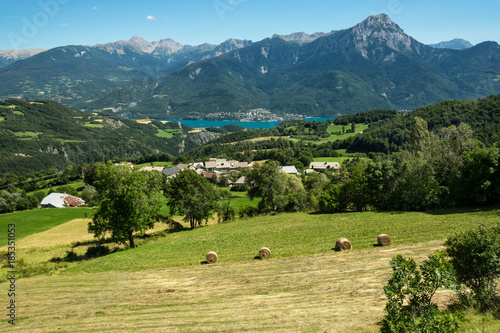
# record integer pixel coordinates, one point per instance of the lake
(244, 124)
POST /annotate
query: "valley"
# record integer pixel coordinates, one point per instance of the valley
(142, 182)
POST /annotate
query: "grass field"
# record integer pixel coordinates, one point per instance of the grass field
(93, 125)
(164, 286)
(340, 160)
(168, 134)
(34, 221)
(160, 164)
(288, 235)
(30, 135)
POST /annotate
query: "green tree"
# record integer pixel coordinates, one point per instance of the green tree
(447, 149)
(475, 254)
(314, 184)
(193, 196)
(130, 203)
(356, 187)
(420, 136)
(267, 182)
(409, 295)
(333, 199)
(416, 187)
(478, 180)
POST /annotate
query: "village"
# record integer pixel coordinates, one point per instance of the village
(228, 173)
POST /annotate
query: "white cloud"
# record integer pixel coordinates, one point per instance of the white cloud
(63, 25)
(150, 17)
(94, 8)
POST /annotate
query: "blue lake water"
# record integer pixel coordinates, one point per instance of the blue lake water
(244, 124)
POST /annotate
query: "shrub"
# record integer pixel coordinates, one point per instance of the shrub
(97, 251)
(409, 292)
(475, 255)
(248, 210)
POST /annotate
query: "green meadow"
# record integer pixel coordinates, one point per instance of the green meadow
(165, 284)
(34, 221)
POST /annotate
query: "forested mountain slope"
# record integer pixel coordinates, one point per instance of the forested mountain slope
(41, 134)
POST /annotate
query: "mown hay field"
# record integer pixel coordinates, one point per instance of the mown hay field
(305, 286)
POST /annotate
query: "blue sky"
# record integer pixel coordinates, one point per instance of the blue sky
(50, 23)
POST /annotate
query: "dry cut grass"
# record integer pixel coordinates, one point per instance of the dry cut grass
(327, 293)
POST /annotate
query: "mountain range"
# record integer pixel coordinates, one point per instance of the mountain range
(371, 65)
(75, 73)
(455, 44)
(8, 57)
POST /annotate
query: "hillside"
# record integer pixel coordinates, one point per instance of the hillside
(76, 73)
(369, 66)
(482, 115)
(164, 284)
(37, 135)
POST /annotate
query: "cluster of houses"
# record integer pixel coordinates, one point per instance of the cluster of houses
(214, 167)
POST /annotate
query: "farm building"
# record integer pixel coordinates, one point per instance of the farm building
(61, 200)
(291, 170)
(328, 166)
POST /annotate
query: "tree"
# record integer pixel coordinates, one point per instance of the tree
(267, 182)
(409, 295)
(356, 187)
(130, 203)
(333, 199)
(475, 254)
(193, 196)
(420, 136)
(447, 149)
(478, 180)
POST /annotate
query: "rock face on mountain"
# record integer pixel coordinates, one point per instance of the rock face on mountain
(8, 57)
(455, 44)
(301, 37)
(371, 65)
(377, 32)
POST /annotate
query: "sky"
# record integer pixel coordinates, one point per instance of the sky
(28, 24)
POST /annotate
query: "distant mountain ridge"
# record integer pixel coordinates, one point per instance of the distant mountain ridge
(8, 57)
(372, 65)
(76, 73)
(455, 44)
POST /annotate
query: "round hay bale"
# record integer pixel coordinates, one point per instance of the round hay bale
(212, 257)
(384, 240)
(342, 244)
(264, 253)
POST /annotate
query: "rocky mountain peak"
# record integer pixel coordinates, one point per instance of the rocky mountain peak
(142, 44)
(455, 44)
(379, 30)
(167, 46)
(300, 37)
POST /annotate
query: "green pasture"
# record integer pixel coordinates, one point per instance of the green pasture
(289, 235)
(38, 220)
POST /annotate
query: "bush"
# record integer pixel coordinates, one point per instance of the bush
(409, 292)
(239, 188)
(248, 210)
(97, 251)
(225, 212)
(475, 255)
